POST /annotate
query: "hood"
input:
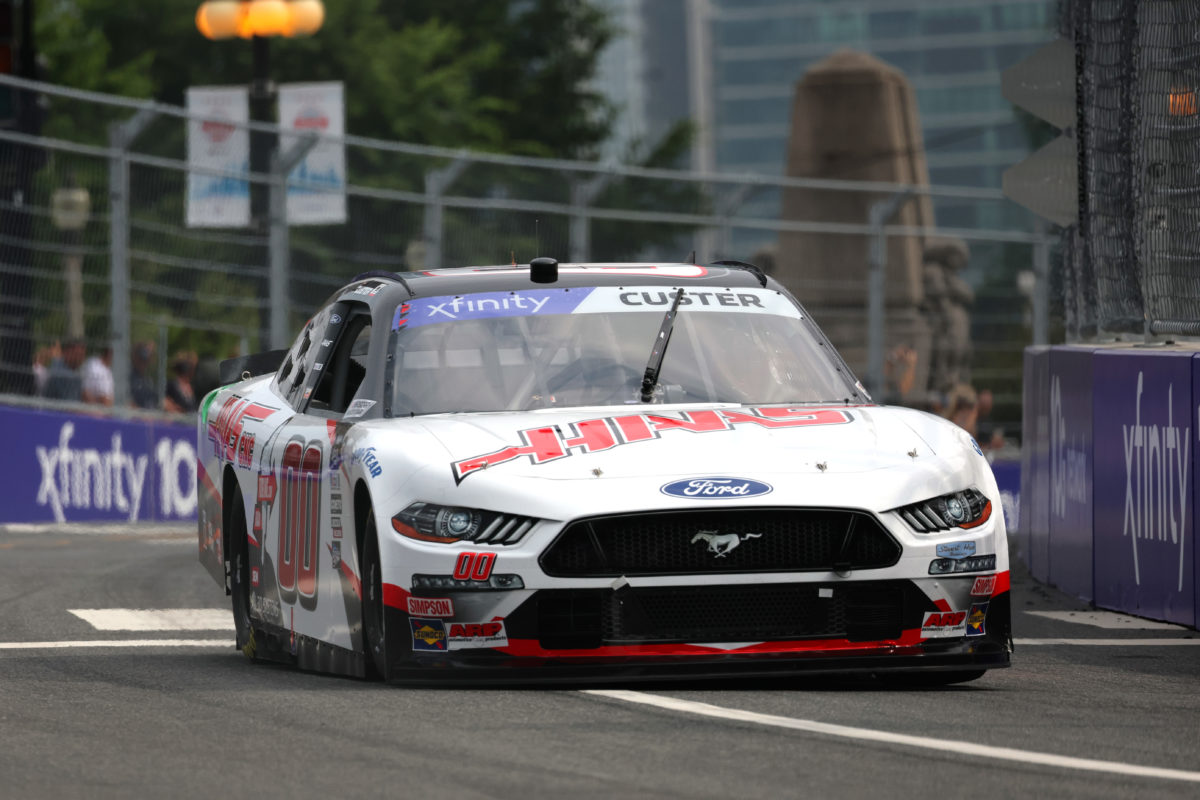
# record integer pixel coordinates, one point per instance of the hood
(710, 439)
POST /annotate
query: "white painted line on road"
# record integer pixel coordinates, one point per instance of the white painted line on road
(1108, 619)
(156, 619)
(1110, 642)
(869, 735)
(117, 643)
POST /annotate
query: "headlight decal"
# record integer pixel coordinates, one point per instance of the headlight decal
(428, 522)
(966, 509)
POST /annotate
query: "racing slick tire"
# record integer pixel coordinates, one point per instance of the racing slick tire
(239, 578)
(374, 613)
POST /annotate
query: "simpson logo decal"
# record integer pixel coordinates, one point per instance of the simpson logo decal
(431, 606)
(594, 435)
(976, 618)
(464, 635)
(937, 624)
(715, 488)
(956, 550)
(984, 587)
(428, 635)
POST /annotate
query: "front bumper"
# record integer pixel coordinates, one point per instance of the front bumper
(771, 629)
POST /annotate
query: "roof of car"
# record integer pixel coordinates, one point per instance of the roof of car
(513, 277)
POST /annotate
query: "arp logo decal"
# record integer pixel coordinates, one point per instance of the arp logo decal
(983, 587)
(956, 550)
(715, 488)
(938, 624)
(551, 443)
(428, 635)
(431, 606)
(975, 619)
(464, 635)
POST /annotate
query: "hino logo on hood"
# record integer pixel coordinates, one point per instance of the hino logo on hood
(715, 488)
(721, 543)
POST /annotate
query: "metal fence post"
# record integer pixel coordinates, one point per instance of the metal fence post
(878, 216)
(278, 244)
(121, 136)
(583, 192)
(437, 181)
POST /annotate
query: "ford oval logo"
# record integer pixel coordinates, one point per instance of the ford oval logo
(716, 488)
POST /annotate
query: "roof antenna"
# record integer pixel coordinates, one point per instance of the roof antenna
(537, 239)
(692, 259)
(513, 255)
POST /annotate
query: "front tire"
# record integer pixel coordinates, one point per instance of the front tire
(373, 615)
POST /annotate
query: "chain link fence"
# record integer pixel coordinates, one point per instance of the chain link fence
(1134, 263)
(125, 270)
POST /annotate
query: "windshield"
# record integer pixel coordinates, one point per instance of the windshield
(555, 348)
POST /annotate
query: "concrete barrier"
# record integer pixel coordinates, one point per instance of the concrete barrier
(1108, 479)
(81, 464)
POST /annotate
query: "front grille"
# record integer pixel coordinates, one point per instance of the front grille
(726, 541)
(590, 618)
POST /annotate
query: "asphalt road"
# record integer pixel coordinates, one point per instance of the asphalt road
(174, 718)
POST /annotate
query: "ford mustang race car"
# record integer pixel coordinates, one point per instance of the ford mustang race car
(559, 471)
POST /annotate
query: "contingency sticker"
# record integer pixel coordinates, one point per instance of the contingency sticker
(466, 635)
(976, 618)
(357, 408)
(939, 624)
(428, 635)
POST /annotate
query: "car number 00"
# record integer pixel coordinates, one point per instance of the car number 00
(474, 566)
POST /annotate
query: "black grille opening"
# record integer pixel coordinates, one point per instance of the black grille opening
(589, 618)
(726, 541)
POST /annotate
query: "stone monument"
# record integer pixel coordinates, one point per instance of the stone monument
(854, 117)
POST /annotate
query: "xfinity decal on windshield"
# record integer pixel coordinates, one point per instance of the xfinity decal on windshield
(585, 300)
(553, 442)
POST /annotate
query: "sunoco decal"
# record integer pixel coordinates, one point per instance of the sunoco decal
(551, 443)
(716, 488)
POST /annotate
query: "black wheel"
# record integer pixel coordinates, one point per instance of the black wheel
(239, 563)
(374, 625)
(928, 680)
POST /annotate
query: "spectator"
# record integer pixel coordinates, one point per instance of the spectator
(42, 360)
(899, 375)
(180, 397)
(141, 385)
(962, 407)
(98, 378)
(64, 381)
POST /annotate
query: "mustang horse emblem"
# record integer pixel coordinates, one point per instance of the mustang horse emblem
(722, 543)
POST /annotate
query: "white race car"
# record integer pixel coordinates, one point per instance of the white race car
(591, 471)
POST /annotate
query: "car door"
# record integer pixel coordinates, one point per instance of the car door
(304, 553)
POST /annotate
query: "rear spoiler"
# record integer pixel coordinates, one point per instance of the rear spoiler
(244, 367)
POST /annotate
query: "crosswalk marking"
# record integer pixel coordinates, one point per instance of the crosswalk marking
(156, 619)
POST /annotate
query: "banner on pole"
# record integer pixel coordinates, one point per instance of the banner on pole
(316, 192)
(217, 138)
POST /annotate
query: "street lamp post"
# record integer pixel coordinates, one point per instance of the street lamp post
(259, 20)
